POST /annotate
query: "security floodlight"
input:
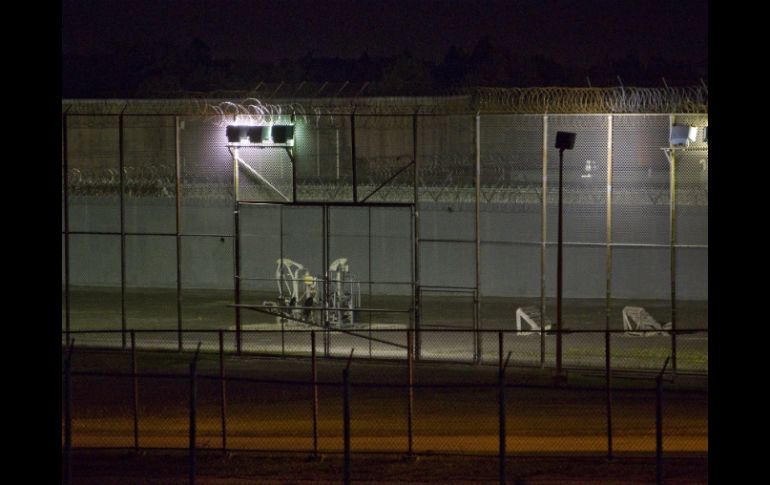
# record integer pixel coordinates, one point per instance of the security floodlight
(282, 133)
(683, 135)
(565, 140)
(235, 133)
(255, 134)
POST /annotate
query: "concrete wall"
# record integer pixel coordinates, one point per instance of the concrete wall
(511, 157)
(510, 252)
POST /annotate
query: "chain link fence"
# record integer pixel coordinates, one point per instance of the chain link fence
(454, 231)
(207, 400)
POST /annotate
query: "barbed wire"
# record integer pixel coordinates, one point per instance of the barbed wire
(693, 99)
(531, 100)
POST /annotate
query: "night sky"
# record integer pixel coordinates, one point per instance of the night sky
(579, 33)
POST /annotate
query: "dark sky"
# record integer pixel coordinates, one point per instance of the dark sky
(578, 32)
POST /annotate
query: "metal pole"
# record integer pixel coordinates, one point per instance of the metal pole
(672, 231)
(223, 391)
(314, 371)
(135, 375)
(543, 235)
(178, 201)
(346, 419)
(122, 233)
(477, 237)
(324, 314)
(68, 415)
(559, 269)
(353, 155)
(369, 272)
(608, 301)
(499, 350)
(193, 415)
(501, 414)
(237, 253)
(410, 383)
(293, 175)
(65, 183)
(659, 424)
(608, 387)
(659, 429)
(416, 256)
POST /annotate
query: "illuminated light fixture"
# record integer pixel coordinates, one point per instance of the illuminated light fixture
(256, 134)
(282, 133)
(683, 135)
(236, 133)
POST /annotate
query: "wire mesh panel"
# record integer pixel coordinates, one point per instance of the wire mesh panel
(384, 147)
(269, 417)
(208, 417)
(446, 174)
(392, 249)
(149, 165)
(323, 149)
(150, 282)
(584, 219)
(374, 425)
(511, 187)
(691, 222)
(95, 282)
(692, 349)
(207, 282)
(641, 255)
(685, 422)
(633, 420)
(260, 247)
(445, 321)
(533, 429)
(456, 420)
(330, 422)
(63, 283)
(164, 412)
(102, 414)
(207, 178)
(94, 176)
(265, 173)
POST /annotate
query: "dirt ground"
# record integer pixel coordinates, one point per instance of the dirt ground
(171, 468)
(455, 428)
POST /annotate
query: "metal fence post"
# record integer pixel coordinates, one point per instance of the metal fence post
(499, 350)
(121, 171)
(501, 414)
(193, 413)
(410, 391)
(659, 424)
(608, 386)
(68, 415)
(314, 371)
(346, 418)
(134, 374)
(223, 391)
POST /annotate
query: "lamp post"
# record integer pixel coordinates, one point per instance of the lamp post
(564, 141)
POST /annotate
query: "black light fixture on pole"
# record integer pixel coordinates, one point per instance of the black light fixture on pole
(564, 141)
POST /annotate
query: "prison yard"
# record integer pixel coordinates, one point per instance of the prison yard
(516, 274)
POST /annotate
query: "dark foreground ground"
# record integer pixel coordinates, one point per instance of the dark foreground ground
(171, 468)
